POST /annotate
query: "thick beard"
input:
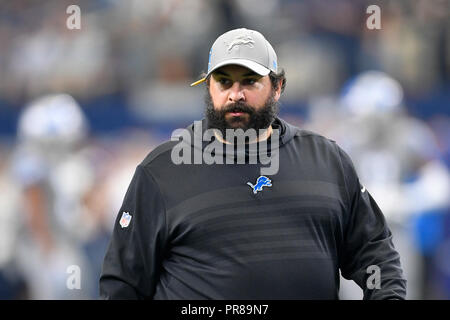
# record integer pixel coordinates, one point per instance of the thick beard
(258, 119)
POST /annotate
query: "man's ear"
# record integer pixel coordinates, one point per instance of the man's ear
(277, 94)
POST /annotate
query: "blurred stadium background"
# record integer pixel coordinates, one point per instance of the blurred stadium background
(383, 95)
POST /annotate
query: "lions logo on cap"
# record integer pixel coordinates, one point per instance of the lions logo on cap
(241, 40)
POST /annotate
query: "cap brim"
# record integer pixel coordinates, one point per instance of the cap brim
(254, 66)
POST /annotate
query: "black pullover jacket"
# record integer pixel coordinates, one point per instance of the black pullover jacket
(202, 231)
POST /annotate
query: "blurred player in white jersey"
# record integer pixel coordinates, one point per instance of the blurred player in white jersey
(52, 167)
(397, 159)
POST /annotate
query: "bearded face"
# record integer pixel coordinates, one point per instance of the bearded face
(241, 115)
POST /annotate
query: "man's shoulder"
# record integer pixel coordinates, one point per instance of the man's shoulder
(311, 135)
(297, 132)
(308, 135)
(305, 139)
(318, 142)
(162, 150)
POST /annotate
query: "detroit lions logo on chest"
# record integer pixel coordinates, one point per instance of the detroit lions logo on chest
(261, 182)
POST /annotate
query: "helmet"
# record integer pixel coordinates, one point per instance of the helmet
(371, 93)
(52, 119)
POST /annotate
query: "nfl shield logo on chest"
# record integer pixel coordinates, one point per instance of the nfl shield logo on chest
(125, 220)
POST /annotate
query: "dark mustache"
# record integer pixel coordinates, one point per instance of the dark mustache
(238, 107)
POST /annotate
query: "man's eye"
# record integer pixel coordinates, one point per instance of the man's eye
(224, 81)
(249, 81)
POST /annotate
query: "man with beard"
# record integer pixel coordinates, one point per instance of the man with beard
(224, 230)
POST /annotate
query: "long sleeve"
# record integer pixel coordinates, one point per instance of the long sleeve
(367, 244)
(133, 260)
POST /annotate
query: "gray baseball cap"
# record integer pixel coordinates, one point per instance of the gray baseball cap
(244, 47)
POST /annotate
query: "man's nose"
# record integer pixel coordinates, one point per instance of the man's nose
(236, 92)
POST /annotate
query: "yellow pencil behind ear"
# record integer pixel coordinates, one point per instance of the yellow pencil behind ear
(198, 82)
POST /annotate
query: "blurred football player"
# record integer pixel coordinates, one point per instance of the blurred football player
(397, 158)
(53, 170)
